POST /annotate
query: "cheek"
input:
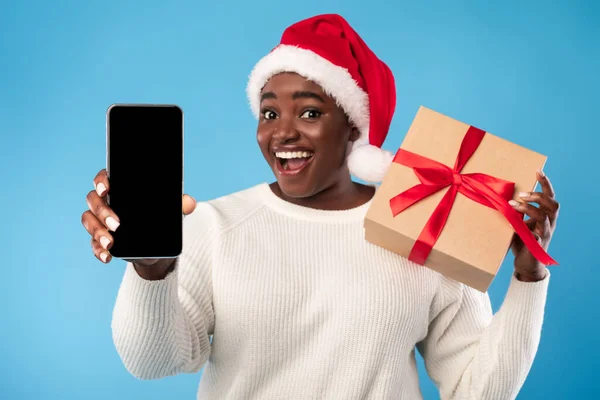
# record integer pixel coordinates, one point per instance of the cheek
(333, 151)
(337, 145)
(263, 139)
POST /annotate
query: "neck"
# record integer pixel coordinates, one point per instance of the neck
(342, 195)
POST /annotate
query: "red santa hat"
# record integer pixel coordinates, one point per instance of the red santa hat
(326, 50)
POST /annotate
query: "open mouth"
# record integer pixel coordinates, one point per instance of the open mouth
(294, 161)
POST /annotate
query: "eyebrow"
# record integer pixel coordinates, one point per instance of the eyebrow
(295, 96)
(268, 95)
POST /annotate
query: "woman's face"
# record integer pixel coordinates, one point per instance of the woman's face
(303, 135)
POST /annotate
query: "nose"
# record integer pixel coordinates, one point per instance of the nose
(285, 131)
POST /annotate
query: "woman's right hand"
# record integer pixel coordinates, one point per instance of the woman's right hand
(99, 220)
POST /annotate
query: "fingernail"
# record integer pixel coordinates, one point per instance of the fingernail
(112, 223)
(103, 257)
(542, 174)
(523, 194)
(513, 203)
(104, 241)
(100, 189)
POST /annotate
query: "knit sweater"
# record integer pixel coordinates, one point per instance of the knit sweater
(279, 301)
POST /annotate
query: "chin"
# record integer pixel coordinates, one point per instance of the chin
(297, 190)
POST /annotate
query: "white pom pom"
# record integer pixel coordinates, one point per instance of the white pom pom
(369, 163)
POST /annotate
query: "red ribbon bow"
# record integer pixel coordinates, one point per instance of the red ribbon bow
(481, 188)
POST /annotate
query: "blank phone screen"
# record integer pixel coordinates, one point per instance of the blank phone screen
(145, 171)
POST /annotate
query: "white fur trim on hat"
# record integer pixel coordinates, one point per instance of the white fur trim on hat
(368, 162)
(334, 80)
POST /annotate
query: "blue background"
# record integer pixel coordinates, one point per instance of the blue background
(526, 72)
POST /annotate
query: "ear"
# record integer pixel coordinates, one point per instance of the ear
(354, 134)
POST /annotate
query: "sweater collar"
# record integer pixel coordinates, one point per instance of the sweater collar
(280, 205)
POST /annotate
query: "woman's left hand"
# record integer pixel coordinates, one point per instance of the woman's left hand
(542, 222)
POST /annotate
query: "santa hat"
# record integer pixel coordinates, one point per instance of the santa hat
(326, 50)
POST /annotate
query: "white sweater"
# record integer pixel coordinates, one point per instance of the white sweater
(300, 306)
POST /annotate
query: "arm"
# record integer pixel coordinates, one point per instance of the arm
(470, 353)
(162, 327)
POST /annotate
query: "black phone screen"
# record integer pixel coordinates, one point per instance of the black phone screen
(145, 171)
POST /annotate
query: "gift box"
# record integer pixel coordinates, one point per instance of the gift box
(444, 200)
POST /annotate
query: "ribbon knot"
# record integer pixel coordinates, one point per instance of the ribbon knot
(457, 178)
(484, 189)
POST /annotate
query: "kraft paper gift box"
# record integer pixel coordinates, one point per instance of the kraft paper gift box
(425, 185)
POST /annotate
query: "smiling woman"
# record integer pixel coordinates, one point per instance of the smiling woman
(304, 136)
(278, 295)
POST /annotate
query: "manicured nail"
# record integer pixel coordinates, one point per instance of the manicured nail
(103, 257)
(523, 195)
(542, 174)
(100, 189)
(104, 241)
(513, 203)
(112, 223)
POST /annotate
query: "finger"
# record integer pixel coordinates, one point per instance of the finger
(189, 204)
(548, 203)
(537, 234)
(540, 228)
(100, 253)
(538, 223)
(544, 181)
(531, 211)
(530, 224)
(101, 183)
(97, 230)
(102, 211)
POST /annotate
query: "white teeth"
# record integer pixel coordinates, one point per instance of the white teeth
(293, 154)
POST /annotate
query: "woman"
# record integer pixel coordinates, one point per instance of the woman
(297, 303)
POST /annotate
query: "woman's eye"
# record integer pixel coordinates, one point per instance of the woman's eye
(310, 114)
(268, 114)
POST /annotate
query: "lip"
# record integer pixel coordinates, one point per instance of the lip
(285, 172)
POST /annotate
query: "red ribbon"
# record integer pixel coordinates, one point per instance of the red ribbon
(481, 188)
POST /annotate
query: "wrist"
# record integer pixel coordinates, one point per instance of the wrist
(531, 277)
(156, 271)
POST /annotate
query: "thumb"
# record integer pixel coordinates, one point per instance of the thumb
(188, 204)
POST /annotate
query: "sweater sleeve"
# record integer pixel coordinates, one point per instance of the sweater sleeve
(163, 328)
(470, 353)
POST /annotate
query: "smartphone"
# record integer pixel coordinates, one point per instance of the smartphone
(144, 162)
